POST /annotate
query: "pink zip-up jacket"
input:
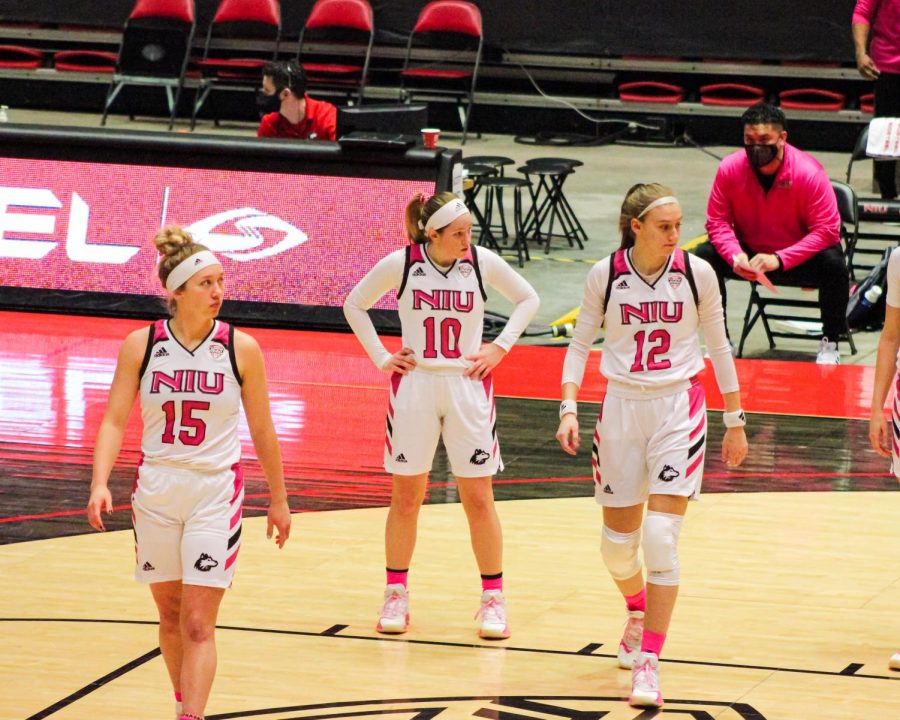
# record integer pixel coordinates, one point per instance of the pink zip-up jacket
(883, 19)
(796, 219)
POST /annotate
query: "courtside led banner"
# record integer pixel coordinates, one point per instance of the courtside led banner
(283, 238)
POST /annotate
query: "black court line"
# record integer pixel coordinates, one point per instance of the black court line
(848, 672)
(518, 702)
(97, 684)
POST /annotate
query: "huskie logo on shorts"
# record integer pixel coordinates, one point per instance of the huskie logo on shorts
(205, 563)
(668, 473)
(479, 457)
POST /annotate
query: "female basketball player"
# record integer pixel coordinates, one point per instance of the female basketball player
(192, 372)
(650, 438)
(441, 386)
(885, 442)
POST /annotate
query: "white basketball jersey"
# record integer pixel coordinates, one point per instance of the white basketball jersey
(441, 312)
(651, 329)
(190, 401)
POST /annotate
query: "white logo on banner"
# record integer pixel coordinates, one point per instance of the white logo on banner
(77, 246)
(247, 245)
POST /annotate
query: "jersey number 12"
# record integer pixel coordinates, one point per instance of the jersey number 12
(654, 344)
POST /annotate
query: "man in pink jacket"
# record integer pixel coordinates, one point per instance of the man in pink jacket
(876, 35)
(772, 209)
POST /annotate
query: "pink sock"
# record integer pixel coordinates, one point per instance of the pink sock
(638, 601)
(177, 696)
(652, 642)
(397, 577)
(492, 582)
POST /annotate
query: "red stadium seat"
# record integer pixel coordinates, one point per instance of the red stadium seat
(650, 91)
(236, 20)
(92, 61)
(811, 99)
(445, 25)
(731, 94)
(156, 44)
(867, 102)
(21, 58)
(348, 24)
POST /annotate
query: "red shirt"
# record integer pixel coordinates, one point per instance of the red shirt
(320, 123)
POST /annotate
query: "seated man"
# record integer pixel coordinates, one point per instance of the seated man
(287, 111)
(772, 209)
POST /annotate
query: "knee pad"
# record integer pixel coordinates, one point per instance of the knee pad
(661, 547)
(620, 553)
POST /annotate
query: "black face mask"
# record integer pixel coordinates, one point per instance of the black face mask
(761, 155)
(267, 103)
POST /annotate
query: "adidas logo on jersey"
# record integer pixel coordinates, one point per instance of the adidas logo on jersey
(622, 284)
(147, 567)
(418, 272)
(400, 458)
(162, 352)
(608, 490)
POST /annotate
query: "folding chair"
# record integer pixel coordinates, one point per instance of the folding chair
(236, 20)
(154, 52)
(758, 307)
(334, 29)
(447, 39)
(870, 210)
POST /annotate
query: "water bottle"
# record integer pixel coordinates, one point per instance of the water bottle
(4, 113)
(862, 314)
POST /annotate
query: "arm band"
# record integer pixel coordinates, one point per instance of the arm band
(734, 419)
(568, 407)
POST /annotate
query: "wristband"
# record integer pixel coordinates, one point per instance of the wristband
(734, 419)
(568, 407)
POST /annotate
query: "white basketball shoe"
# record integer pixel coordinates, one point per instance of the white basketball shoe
(492, 614)
(645, 682)
(394, 618)
(630, 644)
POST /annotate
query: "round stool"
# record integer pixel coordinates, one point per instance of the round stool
(548, 205)
(515, 184)
(544, 162)
(493, 195)
(476, 173)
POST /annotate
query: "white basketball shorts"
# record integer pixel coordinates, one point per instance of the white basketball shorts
(652, 446)
(423, 407)
(187, 524)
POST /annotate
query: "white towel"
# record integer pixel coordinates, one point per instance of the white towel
(884, 138)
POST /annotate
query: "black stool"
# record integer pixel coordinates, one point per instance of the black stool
(566, 207)
(496, 185)
(493, 195)
(546, 208)
(476, 173)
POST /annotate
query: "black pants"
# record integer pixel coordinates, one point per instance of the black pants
(826, 271)
(887, 104)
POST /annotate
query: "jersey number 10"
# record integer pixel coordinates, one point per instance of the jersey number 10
(450, 330)
(192, 429)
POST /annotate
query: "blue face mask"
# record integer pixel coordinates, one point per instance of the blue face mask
(267, 103)
(761, 155)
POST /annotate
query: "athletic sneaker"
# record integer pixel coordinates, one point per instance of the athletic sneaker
(630, 644)
(645, 682)
(894, 662)
(828, 353)
(394, 618)
(493, 616)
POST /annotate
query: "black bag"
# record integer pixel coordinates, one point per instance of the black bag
(865, 309)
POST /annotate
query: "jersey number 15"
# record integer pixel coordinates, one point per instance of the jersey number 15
(192, 430)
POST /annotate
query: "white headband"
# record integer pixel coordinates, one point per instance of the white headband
(184, 270)
(446, 214)
(664, 200)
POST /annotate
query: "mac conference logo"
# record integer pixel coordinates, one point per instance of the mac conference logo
(538, 707)
(248, 242)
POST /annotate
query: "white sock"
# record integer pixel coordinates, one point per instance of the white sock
(177, 710)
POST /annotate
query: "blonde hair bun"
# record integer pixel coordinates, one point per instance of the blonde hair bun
(170, 240)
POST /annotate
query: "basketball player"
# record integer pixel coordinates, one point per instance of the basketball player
(193, 372)
(650, 439)
(441, 386)
(887, 442)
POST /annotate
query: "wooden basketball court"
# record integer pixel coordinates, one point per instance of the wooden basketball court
(790, 564)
